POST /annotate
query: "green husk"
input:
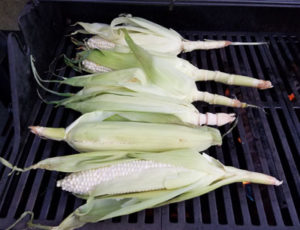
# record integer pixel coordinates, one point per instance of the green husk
(92, 132)
(208, 174)
(164, 80)
(151, 36)
(113, 60)
(118, 60)
(130, 82)
(127, 91)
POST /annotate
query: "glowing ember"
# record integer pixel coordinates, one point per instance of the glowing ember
(292, 97)
(239, 140)
(227, 92)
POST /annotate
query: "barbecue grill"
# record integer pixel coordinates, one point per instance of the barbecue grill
(265, 140)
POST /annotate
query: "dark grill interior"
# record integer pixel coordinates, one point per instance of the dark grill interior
(265, 140)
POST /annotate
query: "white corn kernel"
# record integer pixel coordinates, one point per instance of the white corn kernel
(83, 182)
(93, 67)
(97, 42)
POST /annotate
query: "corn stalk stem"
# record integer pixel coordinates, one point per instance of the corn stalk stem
(57, 134)
(230, 79)
(216, 99)
(188, 46)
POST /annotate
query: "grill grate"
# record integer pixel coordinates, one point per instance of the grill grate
(265, 140)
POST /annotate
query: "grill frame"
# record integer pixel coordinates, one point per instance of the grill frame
(242, 60)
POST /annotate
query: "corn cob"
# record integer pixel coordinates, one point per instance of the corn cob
(83, 182)
(92, 67)
(149, 35)
(120, 183)
(95, 42)
(94, 131)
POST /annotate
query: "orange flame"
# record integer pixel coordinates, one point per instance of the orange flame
(245, 183)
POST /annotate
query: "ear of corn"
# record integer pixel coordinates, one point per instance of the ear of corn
(125, 91)
(94, 64)
(149, 109)
(119, 192)
(91, 132)
(129, 177)
(109, 59)
(133, 85)
(147, 34)
(171, 80)
(159, 75)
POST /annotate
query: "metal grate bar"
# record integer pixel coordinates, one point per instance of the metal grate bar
(14, 157)
(48, 151)
(272, 113)
(283, 68)
(282, 92)
(47, 114)
(274, 152)
(240, 191)
(220, 154)
(243, 136)
(256, 95)
(262, 162)
(247, 150)
(291, 126)
(63, 198)
(293, 49)
(212, 195)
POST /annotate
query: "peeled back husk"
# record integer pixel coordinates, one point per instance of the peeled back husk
(197, 174)
(94, 131)
(147, 34)
(161, 73)
(127, 90)
(114, 100)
